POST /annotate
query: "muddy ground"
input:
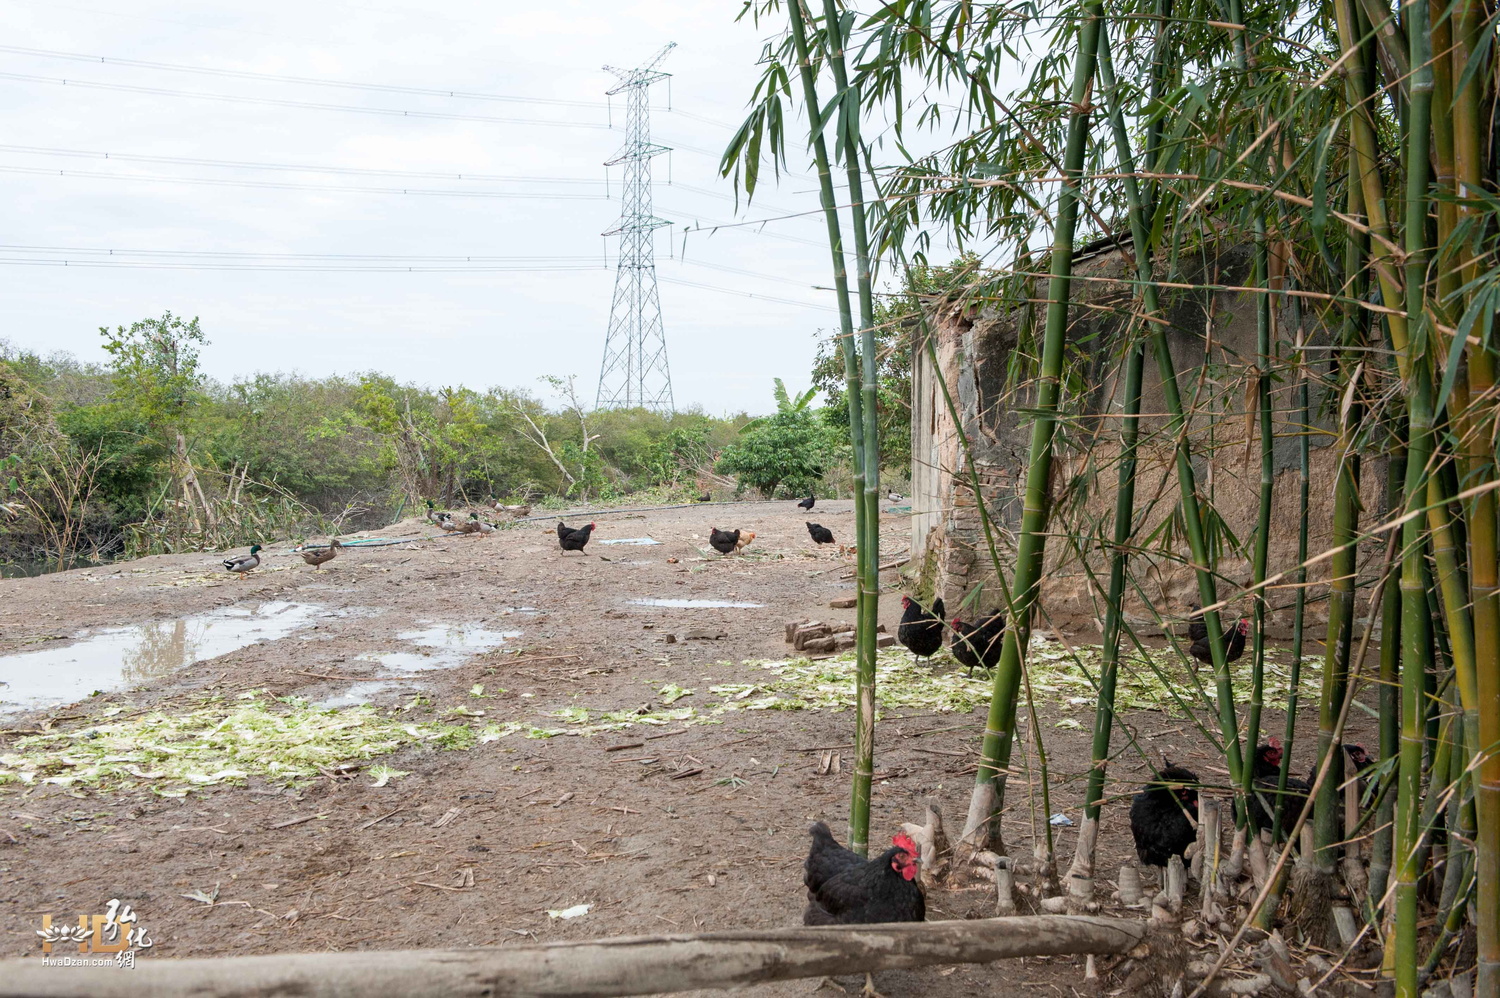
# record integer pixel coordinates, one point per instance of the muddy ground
(474, 847)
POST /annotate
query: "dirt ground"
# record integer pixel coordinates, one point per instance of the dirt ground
(476, 845)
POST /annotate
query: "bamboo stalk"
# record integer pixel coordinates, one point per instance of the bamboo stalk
(1342, 568)
(989, 785)
(1299, 605)
(1472, 108)
(859, 815)
(1081, 874)
(1415, 620)
(1390, 687)
(867, 556)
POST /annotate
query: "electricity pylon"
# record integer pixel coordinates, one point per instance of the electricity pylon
(634, 372)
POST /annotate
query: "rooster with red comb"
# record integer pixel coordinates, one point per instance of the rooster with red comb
(844, 888)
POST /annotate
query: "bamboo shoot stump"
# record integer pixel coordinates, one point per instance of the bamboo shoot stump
(600, 968)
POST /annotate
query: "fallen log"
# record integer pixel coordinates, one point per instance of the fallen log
(631, 965)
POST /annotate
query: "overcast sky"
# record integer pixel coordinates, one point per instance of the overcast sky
(479, 329)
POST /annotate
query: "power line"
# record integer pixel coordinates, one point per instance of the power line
(305, 80)
(311, 105)
(586, 262)
(274, 185)
(745, 294)
(308, 264)
(296, 168)
(309, 267)
(725, 268)
(238, 254)
(388, 88)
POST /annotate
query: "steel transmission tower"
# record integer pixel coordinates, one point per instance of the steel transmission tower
(634, 372)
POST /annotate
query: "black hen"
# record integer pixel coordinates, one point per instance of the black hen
(1356, 760)
(573, 539)
(1159, 816)
(807, 504)
(921, 631)
(1266, 769)
(1197, 629)
(705, 497)
(820, 534)
(1234, 643)
(979, 644)
(723, 541)
(845, 889)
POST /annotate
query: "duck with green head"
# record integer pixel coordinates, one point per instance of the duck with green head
(244, 563)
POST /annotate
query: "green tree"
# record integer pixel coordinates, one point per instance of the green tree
(896, 318)
(155, 372)
(788, 451)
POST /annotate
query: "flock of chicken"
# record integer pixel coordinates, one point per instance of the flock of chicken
(845, 888)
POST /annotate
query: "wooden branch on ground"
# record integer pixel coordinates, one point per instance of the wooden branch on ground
(600, 968)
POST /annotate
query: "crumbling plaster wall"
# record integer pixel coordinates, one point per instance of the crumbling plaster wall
(974, 352)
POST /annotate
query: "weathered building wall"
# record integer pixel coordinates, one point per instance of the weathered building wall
(974, 352)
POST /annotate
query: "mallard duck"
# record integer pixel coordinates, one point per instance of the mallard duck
(244, 563)
(479, 525)
(447, 522)
(434, 515)
(518, 512)
(323, 556)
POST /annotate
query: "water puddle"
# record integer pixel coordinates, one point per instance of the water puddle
(632, 541)
(441, 646)
(694, 604)
(362, 693)
(117, 657)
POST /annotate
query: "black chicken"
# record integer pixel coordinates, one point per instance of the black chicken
(979, 644)
(1234, 643)
(820, 534)
(705, 497)
(1356, 760)
(1265, 770)
(1197, 629)
(843, 888)
(723, 541)
(571, 538)
(921, 631)
(807, 504)
(1162, 816)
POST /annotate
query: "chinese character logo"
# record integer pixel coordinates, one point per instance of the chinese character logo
(116, 935)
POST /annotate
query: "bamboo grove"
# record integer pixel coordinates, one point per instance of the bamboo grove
(1350, 150)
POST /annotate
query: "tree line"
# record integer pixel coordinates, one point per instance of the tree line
(145, 454)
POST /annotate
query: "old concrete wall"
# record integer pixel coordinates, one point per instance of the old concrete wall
(1212, 337)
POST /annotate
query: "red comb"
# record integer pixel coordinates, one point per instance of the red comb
(904, 842)
(1274, 742)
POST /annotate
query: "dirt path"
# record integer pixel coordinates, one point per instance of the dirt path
(701, 827)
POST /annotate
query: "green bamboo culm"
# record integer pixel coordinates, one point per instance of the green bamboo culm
(1472, 66)
(1081, 874)
(867, 556)
(982, 828)
(1415, 622)
(859, 812)
(1259, 566)
(1260, 278)
(1342, 568)
(1390, 683)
